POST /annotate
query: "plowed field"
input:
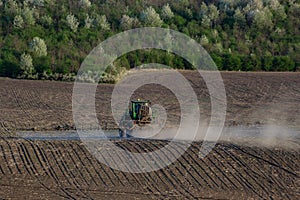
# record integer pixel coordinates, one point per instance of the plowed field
(53, 169)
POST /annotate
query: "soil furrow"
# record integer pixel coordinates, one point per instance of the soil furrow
(152, 188)
(67, 169)
(170, 174)
(85, 167)
(94, 167)
(53, 174)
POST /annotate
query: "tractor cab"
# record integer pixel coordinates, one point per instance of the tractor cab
(139, 114)
(140, 111)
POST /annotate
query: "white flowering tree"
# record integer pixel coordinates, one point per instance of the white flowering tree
(136, 23)
(26, 64)
(150, 17)
(88, 22)
(38, 47)
(204, 40)
(18, 21)
(101, 21)
(167, 12)
(72, 22)
(85, 3)
(126, 22)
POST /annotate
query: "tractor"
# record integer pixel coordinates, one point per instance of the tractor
(139, 114)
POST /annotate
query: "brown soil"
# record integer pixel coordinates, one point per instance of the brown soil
(252, 98)
(65, 169)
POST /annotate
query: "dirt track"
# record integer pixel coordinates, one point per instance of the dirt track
(65, 169)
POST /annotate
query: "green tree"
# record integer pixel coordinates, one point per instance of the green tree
(263, 19)
(278, 10)
(231, 62)
(213, 14)
(203, 10)
(28, 16)
(46, 21)
(40, 3)
(283, 63)
(10, 65)
(239, 18)
(11, 8)
(42, 64)
(267, 62)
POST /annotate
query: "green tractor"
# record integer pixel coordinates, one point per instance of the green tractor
(139, 114)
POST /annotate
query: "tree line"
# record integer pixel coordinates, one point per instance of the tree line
(48, 39)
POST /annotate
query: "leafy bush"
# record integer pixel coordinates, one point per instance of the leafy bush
(283, 64)
(231, 62)
(42, 64)
(10, 65)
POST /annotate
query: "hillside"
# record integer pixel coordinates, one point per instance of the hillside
(43, 39)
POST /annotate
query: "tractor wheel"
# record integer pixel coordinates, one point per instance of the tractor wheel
(121, 133)
(128, 133)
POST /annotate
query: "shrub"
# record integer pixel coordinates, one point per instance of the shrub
(10, 65)
(42, 64)
(231, 62)
(283, 63)
(218, 61)
(267, 63)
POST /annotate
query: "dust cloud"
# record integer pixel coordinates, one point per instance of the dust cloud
(271, 136)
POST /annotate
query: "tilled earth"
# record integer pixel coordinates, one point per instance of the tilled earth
(45, 169)
(56, 169)
(252, 99)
